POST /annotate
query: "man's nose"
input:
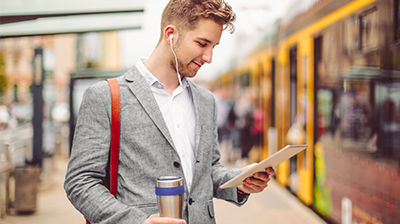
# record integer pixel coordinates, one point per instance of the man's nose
(207, 56)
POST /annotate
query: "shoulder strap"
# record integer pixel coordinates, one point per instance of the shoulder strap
(112, 183)
(115, 134)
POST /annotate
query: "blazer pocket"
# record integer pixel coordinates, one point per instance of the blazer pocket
(211, 208)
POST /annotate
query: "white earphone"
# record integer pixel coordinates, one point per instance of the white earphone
(176, 60)
(170, 39)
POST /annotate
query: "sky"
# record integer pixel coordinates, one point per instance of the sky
(252, 18)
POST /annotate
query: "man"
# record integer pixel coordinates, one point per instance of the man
(168, 128)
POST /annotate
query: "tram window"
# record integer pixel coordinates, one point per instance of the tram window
(356, 114)
(397, 19)
(352, 35)
(370, 117)
(244, 79)
(388, 107)
(325, 111)
(369, 30)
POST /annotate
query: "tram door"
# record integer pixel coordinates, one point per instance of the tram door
(317, 60)
(271, 135)
(293, 175)
(321, 195)
(273, 94)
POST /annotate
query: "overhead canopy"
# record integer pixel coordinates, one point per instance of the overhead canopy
(42, 17)
(72, 24)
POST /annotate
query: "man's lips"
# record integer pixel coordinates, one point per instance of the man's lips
(197, 65)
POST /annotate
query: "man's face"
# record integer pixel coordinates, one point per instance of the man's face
(195, 47)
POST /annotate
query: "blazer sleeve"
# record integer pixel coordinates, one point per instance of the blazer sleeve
(88, 162)
(221, 174)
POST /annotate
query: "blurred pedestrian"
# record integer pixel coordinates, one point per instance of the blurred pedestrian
(168, 128)
(244, 122)
(257, 131)
(247, 138)
(225, 120)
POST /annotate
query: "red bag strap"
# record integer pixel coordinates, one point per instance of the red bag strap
(115, 133)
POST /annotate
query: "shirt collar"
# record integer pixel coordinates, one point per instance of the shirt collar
(150, 78)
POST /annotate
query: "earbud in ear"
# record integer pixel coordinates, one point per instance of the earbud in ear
(170, 39)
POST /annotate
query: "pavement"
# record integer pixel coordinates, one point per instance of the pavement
(275, 205)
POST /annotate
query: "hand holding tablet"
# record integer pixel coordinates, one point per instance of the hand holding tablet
(272, 161)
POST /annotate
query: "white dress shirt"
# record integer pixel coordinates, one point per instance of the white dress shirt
(179, 116)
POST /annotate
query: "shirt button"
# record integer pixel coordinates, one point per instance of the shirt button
(177, 165)
(177, 125)
(190, 201)
(159, 86)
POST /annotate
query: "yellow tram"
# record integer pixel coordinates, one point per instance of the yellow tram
(330, 78)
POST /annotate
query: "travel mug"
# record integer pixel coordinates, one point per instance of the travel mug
(169, 191)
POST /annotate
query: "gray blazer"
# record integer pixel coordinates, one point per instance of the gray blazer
(146, 152)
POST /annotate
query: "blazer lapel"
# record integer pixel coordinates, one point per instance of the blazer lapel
(139, 87)
(194, 93)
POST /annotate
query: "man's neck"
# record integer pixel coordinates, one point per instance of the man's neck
(159, 65)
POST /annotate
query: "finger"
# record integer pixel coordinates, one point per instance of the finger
(250, 188)
(165, 220)
(270, 171)
(258, 182)
(261, 176)
(255, 185)
(156, 219)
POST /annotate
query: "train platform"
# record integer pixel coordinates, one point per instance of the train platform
(275, 205)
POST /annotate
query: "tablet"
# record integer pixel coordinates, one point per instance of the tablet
(272, 161)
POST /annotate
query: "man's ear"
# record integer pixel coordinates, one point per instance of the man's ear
(168, 31)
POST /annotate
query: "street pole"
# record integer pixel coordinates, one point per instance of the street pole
(37, 121)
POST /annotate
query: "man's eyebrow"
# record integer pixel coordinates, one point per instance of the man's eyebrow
(206, 40)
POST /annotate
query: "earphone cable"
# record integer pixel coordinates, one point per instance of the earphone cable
(176, 61)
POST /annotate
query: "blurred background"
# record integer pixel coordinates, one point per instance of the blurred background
(325, 73)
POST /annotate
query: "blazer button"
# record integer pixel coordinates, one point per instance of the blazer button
(177, 165)
(190, 201)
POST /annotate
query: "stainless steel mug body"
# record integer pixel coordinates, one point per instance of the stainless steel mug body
(170, 191)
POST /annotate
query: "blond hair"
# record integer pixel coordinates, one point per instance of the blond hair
(184, 14)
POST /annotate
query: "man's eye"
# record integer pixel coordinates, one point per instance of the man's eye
(203, 45)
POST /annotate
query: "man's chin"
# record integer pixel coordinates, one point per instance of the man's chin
(189, 74)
